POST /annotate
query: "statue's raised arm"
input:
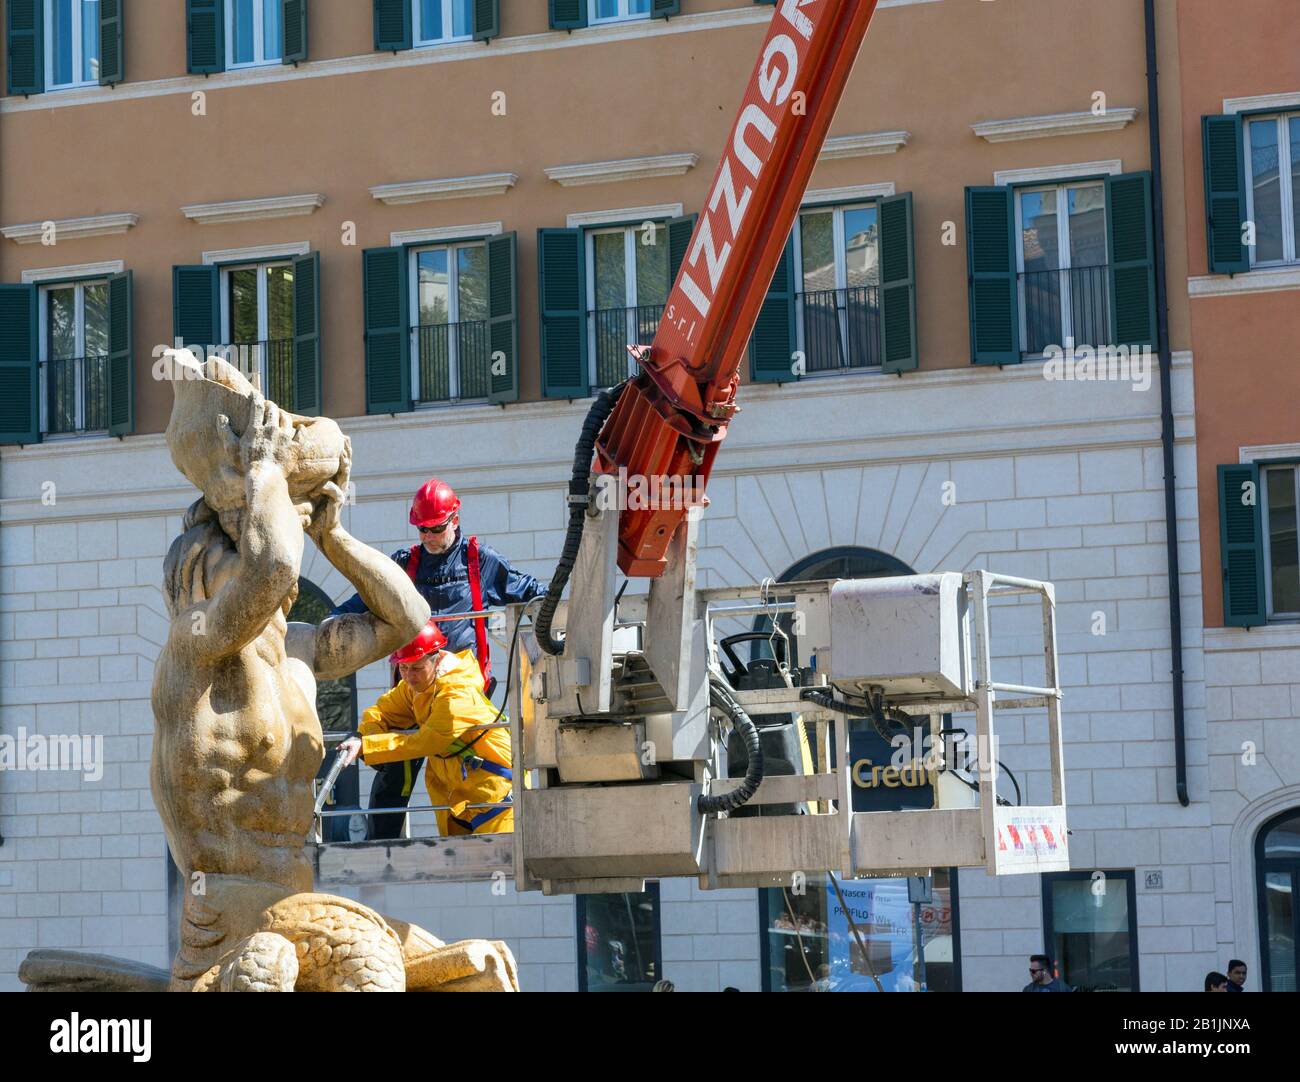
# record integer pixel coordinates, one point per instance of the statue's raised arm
(344, 644)
(253, 579)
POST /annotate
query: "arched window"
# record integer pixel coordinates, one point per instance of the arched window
(336, 706)
(336, 700)
(1277, 863)
(808, 942)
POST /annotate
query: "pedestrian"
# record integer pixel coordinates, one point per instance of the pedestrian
(664, 986)
(454, 574)
(1236, 975)
(1216, 982)
(1040, 976)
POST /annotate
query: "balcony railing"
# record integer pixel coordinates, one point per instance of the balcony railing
(444, 348)
(1071, 303)
(612, 330)
(839, 328)
(76, 394)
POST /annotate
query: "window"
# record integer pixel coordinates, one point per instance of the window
(1272, 180)
(837, 307)
(336, 707)
(611, 11)
(619, 943)
(1090, 920)
(861, 935)
(1281, 573)
(449, 332)
(1277, 862)
(252, 33)
(71, 43)
(438, 21)
(627, 275)
(1062, 265)
(257, 318)
(74, 327)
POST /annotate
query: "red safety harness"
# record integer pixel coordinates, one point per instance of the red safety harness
(476, 601)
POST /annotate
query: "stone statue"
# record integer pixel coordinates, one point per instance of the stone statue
(237, 741)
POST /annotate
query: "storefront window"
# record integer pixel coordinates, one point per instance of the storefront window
(618, 941)
(1090, 919)
(862, 935)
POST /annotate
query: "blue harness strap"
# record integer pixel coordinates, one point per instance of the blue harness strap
(478, 820)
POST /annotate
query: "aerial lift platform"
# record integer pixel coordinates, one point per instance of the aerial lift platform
(629, 715)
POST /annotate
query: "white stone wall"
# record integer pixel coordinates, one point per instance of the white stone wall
(1052, 480)
(1252, 680)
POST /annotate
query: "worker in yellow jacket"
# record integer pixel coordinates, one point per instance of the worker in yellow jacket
(438, 710)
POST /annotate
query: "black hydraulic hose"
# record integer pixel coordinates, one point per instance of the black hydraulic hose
(579, 491)
(721, 698)
(1166, 407)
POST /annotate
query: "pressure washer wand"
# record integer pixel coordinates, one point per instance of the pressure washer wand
(340, 761)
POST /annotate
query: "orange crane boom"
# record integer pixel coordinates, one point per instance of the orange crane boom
(671, 418)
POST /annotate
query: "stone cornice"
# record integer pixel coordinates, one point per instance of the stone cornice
(860, 146)
(655, 165)
(98, 225)
(423, 191)
(253, 210)
(1043, 127)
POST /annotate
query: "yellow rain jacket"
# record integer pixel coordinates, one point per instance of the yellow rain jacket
(467, 764)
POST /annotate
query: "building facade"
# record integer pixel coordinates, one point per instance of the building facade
(443, 233)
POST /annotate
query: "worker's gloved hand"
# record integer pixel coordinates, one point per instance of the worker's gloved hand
(352, 745)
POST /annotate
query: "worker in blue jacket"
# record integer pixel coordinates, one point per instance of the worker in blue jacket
(455, 574)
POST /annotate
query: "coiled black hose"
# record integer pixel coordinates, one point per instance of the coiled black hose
(579, 491)
(721, 698)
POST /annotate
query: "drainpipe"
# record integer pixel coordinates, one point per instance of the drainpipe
(1166, 407)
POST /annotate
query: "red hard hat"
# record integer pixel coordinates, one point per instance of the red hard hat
(428, 641)
(434, 503)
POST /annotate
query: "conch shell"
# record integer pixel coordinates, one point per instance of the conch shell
(212, 400)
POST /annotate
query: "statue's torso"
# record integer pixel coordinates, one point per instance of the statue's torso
(237, 745)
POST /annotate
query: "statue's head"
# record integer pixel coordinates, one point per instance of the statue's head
(201, 559)
(212, 403)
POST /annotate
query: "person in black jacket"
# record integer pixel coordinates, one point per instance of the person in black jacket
(1040, 976)
(1236, 975)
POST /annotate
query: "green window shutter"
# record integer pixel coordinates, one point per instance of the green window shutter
(387, 330)
(293, 31)
(1241, 546)
(121, 356)
(562, 293)
(503, 316)
(661, 9)
(20, 406)
(392, 31)
(680, 231)
(1131, 247)
(1225, 194)
(898, 350)
(568, 14)
(26, 54)
(112, 60)
(772, 345)
(991, 274)
(205, 36)
(306, 334)
(487, 19)
(196, 305)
